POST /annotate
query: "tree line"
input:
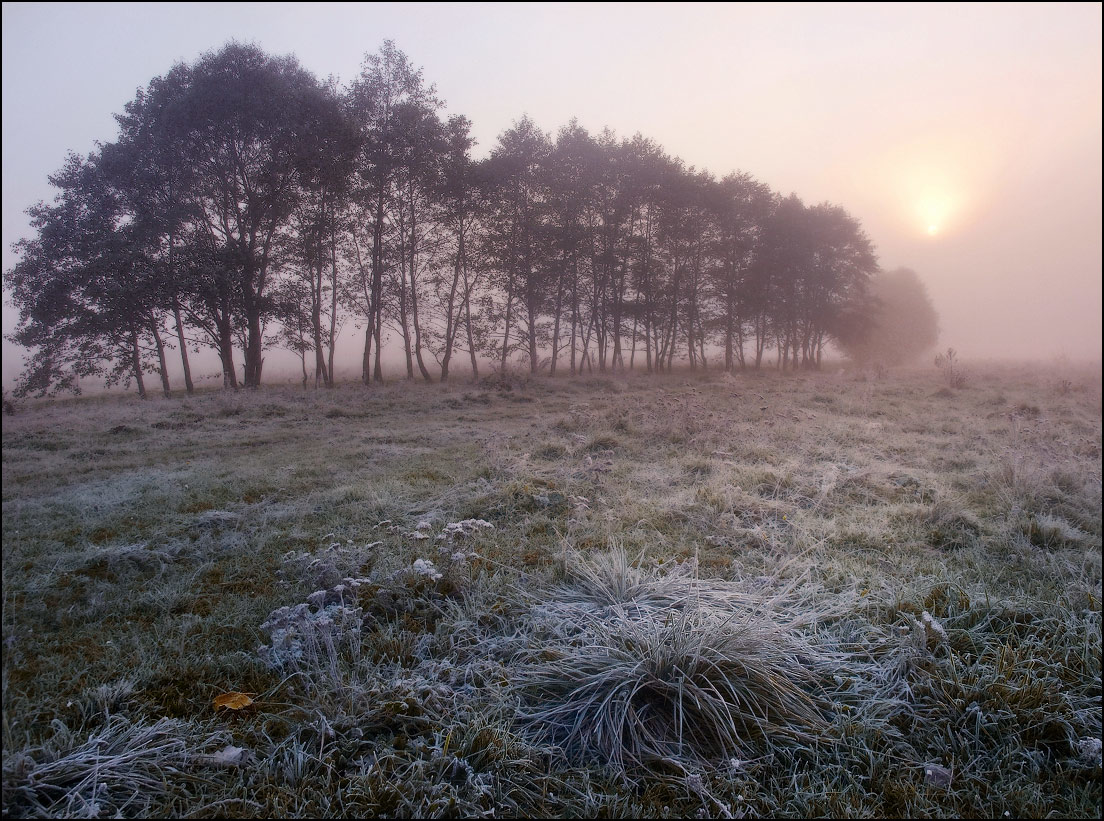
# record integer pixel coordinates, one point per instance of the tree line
(245, 204)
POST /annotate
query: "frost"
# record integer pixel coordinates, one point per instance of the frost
(298, 632)
(1089, 749)
(424, 567)
(929, 632)
(466, 527)
(930, 622)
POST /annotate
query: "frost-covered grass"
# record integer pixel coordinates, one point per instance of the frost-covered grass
(662, 596)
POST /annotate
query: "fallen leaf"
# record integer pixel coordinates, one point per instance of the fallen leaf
(233, 701)
(229, 756)
(939, 776)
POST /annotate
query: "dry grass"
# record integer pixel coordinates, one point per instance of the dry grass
(701, 594)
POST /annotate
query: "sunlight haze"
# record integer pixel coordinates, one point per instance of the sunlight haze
(965, 138)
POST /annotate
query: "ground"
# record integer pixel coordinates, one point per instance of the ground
(695, 594)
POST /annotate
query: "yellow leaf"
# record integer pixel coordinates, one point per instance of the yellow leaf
(233, 701)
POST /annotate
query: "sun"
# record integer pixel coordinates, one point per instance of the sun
(933, 207)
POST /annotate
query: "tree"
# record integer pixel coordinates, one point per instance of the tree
(242, 119)
(147, 170)
(316, 228)
(900, 325)
(389, 101)
(515, 239)
(243, 194)
(573, 170)
(460, 199)
(740, 206)
(87, 293)
(843, 263)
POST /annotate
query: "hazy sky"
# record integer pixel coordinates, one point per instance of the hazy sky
(967, 139)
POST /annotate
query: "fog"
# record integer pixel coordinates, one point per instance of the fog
(967, 140)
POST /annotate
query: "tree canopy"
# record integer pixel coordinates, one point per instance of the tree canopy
(900, 324)
(246, 204)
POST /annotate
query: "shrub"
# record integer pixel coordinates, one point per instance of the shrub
(953, 372)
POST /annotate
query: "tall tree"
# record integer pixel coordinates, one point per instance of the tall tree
(573, 169)
(382, 101)
(243, 116)
(516, 241)
(86, 291)
(843, 263)
(317, 227)
(461, 199)
(740, 208)
(147, 169)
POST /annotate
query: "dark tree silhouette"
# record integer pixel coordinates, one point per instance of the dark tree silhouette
(242, 192)
(86, 291)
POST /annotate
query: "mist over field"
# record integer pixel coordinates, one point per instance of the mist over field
(982, 124)
(552, 411)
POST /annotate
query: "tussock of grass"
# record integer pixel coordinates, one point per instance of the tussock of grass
(646, 667)
(633, 692)
(949, 526)
(122, 767)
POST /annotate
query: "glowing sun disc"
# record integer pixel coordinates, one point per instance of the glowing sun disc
(933, 230)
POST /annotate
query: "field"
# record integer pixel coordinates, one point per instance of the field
(687, 595)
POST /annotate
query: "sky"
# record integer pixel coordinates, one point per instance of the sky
(965, 138)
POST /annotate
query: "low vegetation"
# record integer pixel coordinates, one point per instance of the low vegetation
(684, 595)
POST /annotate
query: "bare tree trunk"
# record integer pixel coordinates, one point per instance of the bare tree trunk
(179, 323)
(320, 369)
(532, 315)
(471, 340)
(728, 337)
(136, 363)
(366, 359)
(468, 324)
(366, 363)
(183, 347)
(226, 352)
(404, 325)
(417, 327)
(452, 321)
(574, 310)
(162, 367)
(452, 312)
(253, 360)
(701, 343)
(333, 298)
(506, 333)
(413, 256)
(556, 322)
(632, 353)
(377, 285)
